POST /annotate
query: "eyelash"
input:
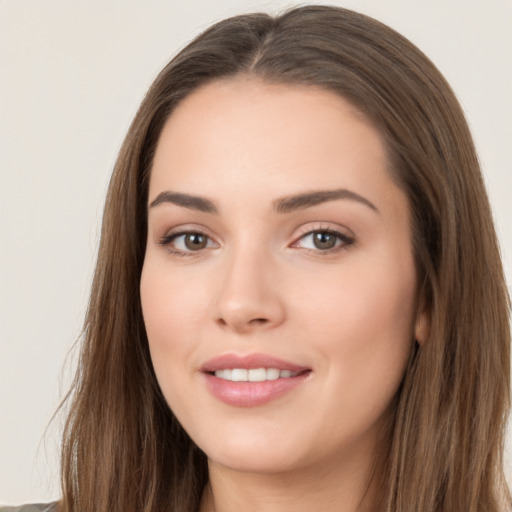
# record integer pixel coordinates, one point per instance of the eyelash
(342, 244)
(345, 241)
(167, 240)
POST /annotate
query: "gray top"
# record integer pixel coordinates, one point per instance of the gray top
(36, 507)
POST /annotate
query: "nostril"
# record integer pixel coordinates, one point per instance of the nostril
(259, 321)
(239, 324)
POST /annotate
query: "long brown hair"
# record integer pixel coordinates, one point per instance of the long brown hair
(124, 450)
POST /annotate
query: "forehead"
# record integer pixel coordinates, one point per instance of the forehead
(250, 137)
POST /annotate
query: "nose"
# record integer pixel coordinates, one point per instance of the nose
(250, 297)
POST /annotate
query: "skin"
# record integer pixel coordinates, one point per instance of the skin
(261, 285)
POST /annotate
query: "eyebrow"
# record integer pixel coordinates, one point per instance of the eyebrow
(283, 205)
(309, 199)
(186, 200)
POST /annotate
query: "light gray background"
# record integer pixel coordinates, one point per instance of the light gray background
(72, 74)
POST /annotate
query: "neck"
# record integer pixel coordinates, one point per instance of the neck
(333, 487)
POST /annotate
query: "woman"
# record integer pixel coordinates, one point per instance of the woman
(289, 307)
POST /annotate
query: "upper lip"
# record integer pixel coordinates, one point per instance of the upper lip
(249, 361)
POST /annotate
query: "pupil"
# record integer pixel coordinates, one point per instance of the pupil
(195, 241)
(323, 240)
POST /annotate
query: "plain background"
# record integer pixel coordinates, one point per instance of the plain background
(72, 74)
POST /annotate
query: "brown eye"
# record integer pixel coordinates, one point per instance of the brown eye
(324, 240)
(195, 241)
(187, 242)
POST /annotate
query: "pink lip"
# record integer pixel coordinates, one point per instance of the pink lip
(249, 361)
(251, 394)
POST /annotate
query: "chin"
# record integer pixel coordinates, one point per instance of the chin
(254, 461)
(254, 453)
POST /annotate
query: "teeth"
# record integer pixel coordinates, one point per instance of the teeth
(239, 375)
(254, 374)
(273, 374)
(224, 374)
(257, 375)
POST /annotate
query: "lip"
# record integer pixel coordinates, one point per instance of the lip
(251, 394)
(249, 361)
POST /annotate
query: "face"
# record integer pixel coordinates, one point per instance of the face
(279, 286)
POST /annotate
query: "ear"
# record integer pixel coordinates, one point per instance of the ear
(422, 322)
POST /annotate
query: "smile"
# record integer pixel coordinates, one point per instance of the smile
(252, 380)
(254, 374)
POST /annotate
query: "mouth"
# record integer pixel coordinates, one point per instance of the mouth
(252, 380)
(254, 374)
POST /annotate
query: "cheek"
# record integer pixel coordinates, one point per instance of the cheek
(171, 301)
(362, 323)
(173, 308)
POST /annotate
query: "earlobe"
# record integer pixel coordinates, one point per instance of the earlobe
(422, 328)
(423, 315)
(422, 323)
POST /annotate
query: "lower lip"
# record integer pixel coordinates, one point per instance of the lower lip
(251, 394)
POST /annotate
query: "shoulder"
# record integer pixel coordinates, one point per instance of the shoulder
(36, 507)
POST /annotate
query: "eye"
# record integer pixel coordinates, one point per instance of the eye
(324, 241)
(186, 242)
